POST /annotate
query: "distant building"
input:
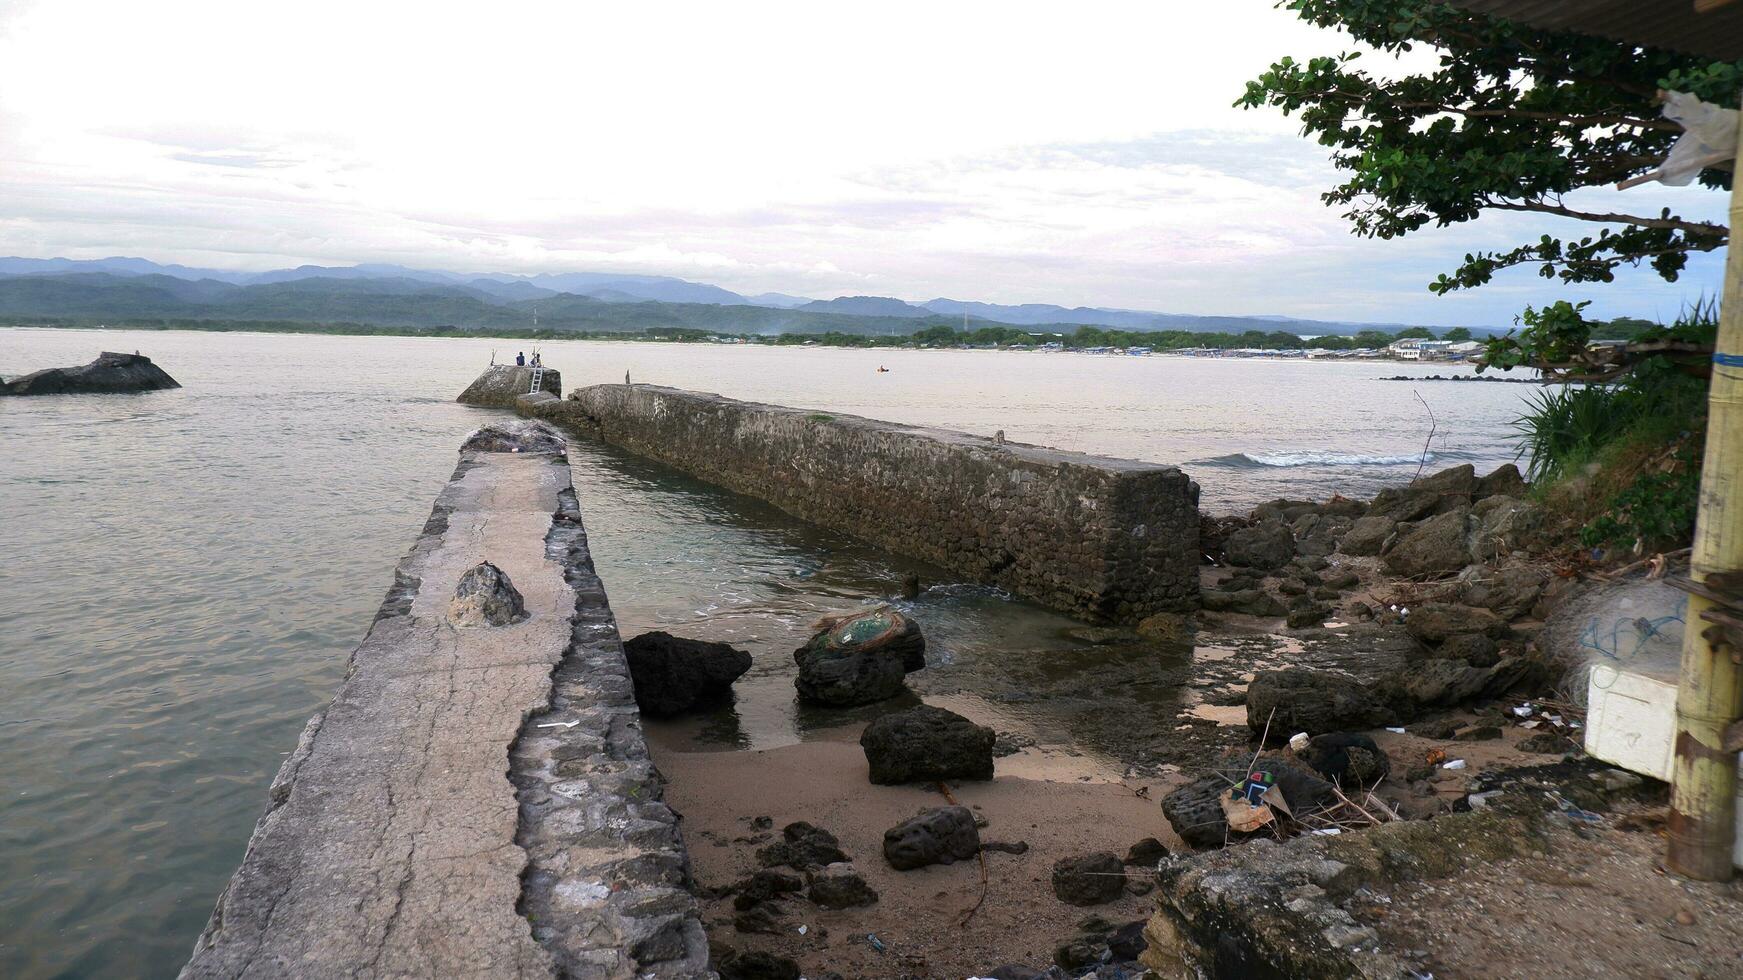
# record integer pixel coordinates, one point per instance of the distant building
(1417, 349)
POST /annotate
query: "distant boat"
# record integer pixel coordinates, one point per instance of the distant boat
(883, 370)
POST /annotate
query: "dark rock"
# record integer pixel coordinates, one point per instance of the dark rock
(1367, 535)
(1503, 482)
(1502, 525)
(840, 887)
(1473, 648)
(859, 659)
(673, 675)
(1435, 622)
(1349, 758)
(1089, 879)
(1304, 613)
(761, 887)
(940, 835)
(1196, 814)
(1340, 506)
(1317, 535)
(1312, 701)
(1545, 743)
(1477, 733)
(1438, 493)
(1290, 586)
(1250, 602)
(927, 744)
(516, 436)
(1166, 627)
(485, 597)
(1128, 943)
(764, 918)
(1146, 853)
(110, 373)
(758, 965)
(1435, 728)
(1508, 592)
(802, 847)
(1436, 546)
(1285, 511)
(1265, 546)
(1079, 952)
(1446, 683)
(1005, 847)
(1342, 580)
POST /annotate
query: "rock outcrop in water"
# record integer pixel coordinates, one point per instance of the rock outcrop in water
(859, 659)
(110, 373)
(501, 384)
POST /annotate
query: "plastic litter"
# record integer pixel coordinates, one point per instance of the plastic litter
(1454, 764)
(1523, 711)
(1298, 742)
(1327, 832)
(1396, 731)
(876, 943)
(1709, 138)
(804, 929)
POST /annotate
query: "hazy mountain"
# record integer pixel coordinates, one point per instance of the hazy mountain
(116, 265)
(780, 301)
(593, 300)
(866, 306)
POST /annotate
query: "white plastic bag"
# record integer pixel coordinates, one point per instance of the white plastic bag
(1709, 137)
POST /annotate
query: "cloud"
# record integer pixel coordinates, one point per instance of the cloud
(1015, 152)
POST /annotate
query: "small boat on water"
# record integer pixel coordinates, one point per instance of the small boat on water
(883, 370)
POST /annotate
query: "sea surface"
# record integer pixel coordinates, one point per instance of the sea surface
(187, 571)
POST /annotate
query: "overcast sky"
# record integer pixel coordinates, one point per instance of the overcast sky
(1080, 154)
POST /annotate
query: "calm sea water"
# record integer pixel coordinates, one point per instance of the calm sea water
(187, 571)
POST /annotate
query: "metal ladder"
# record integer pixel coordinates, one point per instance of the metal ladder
(538, 379)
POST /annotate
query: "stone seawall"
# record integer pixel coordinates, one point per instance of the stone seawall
(476, 800)
(1103, 539)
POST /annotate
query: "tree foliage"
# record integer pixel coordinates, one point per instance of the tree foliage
(1510, 118)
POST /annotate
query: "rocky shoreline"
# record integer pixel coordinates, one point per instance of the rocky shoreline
(1382, 666)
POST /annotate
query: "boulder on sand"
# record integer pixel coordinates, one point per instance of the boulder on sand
(940, 835)
(1090, 879)
(859, 659)
(673, 675)
(838, 886)
(110, 373)
(927, 744)
(803, 847)
(1313, 701)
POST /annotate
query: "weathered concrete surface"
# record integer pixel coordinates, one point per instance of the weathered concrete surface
(393, 841)
(501, 384)
(1100, 538)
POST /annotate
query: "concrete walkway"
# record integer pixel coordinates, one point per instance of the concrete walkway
(389, 846)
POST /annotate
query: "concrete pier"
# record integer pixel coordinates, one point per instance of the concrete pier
(474, 801)
(1100, 538)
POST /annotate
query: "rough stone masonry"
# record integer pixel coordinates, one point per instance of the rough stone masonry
(1099, 538)
(477, 800)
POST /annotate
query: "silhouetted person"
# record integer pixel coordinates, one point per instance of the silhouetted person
(520, 359)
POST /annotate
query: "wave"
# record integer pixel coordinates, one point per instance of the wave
(1317, 458)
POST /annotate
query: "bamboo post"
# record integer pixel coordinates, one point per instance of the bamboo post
(1709, 693)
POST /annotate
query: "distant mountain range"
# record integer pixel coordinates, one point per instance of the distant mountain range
(396, 296)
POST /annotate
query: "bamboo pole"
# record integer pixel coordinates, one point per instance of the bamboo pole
(1710, 689)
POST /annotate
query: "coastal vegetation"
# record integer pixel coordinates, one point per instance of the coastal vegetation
(1066, 336)
(1510, 118)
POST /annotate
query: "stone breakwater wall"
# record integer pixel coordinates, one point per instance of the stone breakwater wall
(476, 800)
(501, 384)
(1103, 539)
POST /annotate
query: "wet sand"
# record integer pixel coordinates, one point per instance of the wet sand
(1060, 804)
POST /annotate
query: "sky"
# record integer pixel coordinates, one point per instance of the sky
(1012, 152)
